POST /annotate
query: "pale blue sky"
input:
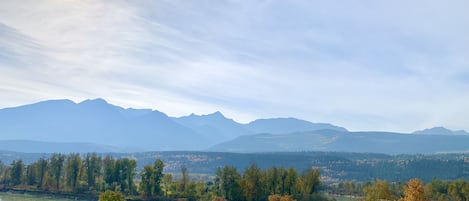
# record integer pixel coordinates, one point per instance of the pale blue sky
(365, 65)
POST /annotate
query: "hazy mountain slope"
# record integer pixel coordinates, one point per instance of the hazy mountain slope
(440, 131)
(159, 131)
(300, 141)
(397, 143)
(329, 140)
(28, 146)
(96, 121)
(215, 127)
(287, 125)
(218, 128)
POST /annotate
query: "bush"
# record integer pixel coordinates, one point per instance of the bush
(111, 196)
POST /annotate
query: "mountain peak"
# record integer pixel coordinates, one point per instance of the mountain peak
(54, 101)
(216, 114)
(440, 130)
(94, 101)
(94, 121)
(47, 104)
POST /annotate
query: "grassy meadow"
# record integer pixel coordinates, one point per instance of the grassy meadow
(28, 197)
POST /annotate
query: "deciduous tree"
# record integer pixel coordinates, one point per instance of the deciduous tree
(73, 171)
(253, 184)
(56, 168)
(42, 171)
(92, 164)
(414, 191)
(378, 191)
(229, 181)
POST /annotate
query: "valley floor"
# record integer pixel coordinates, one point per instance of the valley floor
(7, 196)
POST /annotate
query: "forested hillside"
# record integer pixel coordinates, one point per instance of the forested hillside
(335, 166)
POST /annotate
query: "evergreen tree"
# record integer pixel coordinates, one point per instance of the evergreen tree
(31, 174)
(16, 172)
(157, 175)
(291, 181)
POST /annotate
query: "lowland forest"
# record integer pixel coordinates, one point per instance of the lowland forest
(235, 176)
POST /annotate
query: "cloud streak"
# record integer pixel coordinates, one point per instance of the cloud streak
(367, 65)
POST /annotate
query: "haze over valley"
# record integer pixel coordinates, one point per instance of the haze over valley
(97, 126)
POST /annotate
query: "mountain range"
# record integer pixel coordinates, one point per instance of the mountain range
(337, 141)
(96, 125)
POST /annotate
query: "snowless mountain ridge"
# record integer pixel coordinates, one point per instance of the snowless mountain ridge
(95, 123)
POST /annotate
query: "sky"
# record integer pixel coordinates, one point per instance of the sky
(365, 65)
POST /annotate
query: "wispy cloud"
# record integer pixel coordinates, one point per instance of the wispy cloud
(368, 65)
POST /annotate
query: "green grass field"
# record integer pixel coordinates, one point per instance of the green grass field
(27, 197)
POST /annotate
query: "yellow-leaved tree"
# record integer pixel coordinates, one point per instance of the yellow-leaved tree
(378, 191)
(414, 191)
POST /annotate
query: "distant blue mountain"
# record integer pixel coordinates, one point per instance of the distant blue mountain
(337, 141)
(97, 125)
(217, 128)
(440, 131)
(288, 125)
(214, 127)
(97, 121)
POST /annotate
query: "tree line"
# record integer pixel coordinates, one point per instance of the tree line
(413, 190)
(334, 166)
(72, 173)
(92, 174)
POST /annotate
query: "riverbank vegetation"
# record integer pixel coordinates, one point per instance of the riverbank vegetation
(88, 176)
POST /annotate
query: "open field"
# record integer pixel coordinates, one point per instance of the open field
(28, 197)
